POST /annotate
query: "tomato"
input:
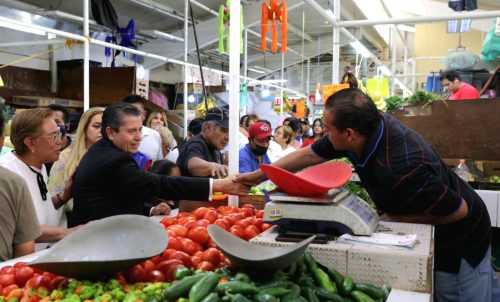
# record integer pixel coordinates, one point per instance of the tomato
(167, 254)
(185, 220)
(246, 211)
(170, 233)
(211, 216)
(165, 265)
(16, 293)
(23, 274)
(195, 260)
(59, 281)
(138, 274)
(250, 232)
(156, 259)
(228, 221)
(257, 222)
(191, 224)
(8, 289)
(226, 210)
(200, 212)
(156, 276)
(7, 280)
(202, 223)
(236, 230)
(189, 246)
(221, 223)
(119, 276)
(185, 258)
(243, 223)
(168, 220)
(179, 230)
(205, 266)
(148, 265)
(198, 234)
(212, 255)
(259, 213)
(7, 270)
(236, 216)
(265, 226)
(210, 243)
(182, 215)
(19, 264)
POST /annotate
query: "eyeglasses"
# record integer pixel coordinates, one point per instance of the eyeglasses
(54, 137)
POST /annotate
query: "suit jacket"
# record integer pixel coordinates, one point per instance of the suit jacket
(108, 182)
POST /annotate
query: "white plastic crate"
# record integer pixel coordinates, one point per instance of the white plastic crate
(402, 268)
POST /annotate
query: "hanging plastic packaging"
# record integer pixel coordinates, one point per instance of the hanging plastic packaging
(491, 45)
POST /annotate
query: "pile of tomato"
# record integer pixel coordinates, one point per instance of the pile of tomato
(21, 281)
(189, 247)
(189, 244)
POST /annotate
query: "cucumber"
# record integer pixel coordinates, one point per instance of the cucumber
(277, 292)
(325, 295)
(324, 281)
(212, 297)
(203, 287)
(360, 296)
(310, 262)
(182, 287)
(236, 287)
(371, 290)
(348, 286)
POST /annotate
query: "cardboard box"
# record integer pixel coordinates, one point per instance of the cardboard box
(402, 268)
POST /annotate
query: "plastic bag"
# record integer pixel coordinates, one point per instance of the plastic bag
(491, 46)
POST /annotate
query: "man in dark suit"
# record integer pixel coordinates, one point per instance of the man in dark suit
(108, 182)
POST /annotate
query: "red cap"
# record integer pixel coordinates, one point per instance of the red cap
(260, 130)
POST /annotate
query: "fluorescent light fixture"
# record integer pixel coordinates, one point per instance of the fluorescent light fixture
(22, 28)
(51, 36)
(465, 25)
(361, 49)
(159, 34)
(256, 70)
(253, 82)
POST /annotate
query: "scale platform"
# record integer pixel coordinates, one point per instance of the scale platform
(336, 213)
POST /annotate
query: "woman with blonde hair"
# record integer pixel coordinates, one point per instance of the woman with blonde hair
(168, 143)
(87, 133)
(37, 141)
(281, 144)
(156, 118)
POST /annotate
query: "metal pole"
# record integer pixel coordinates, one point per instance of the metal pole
(393, 63)
(245, 66)
(234, 90)
(282, 79)
(420, 19)
(32, 43)
(308, 87)
(184, 70)
(86, 54)
(336, 44)
(405, 65)
(53, 71)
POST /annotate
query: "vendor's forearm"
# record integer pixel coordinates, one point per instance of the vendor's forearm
(426, 218)
(52, 233)
(299, 159)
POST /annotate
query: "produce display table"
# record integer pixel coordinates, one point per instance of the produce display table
(402, 268)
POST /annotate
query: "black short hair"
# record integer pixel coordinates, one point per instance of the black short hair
(353, 109)
(61, 108)
(113, 116)
(134, 99)
(450, 75)
(163, 167)
(295, 125)
(243, 120)
(195, 126)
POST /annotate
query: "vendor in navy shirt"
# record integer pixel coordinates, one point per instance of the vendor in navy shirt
(255, 152)
(409, 183)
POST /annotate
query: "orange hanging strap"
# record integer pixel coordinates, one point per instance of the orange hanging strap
(263, 27)
(284, 26)
(274, 37)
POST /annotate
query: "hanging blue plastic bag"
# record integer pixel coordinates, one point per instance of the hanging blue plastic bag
(491, 45)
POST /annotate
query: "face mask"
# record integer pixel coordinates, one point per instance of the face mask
(259, 150)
